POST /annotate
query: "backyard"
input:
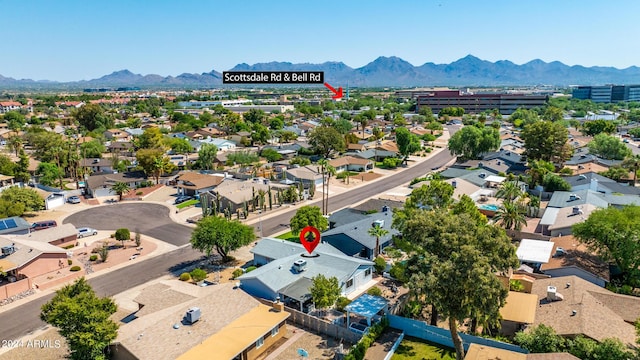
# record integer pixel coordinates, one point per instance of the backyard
(413, 348)
(288, 236)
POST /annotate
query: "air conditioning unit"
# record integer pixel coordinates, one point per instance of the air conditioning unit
(192, 315)
(378, 223)
(299, 265)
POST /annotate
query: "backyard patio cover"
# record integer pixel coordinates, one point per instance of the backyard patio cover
(367, 306)
(298, 290)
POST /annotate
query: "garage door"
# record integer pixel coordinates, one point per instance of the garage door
(54, 202)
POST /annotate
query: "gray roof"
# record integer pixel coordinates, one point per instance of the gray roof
(273, 248)
(586, 178)
(345, 216)
(580, 158)
(279, 274)
(358, 230)
(504, 155)
(50, 234)
(621, 200)
(21, 224)
(371, 153)
(473, 176)
(621, 188)
(561, 199)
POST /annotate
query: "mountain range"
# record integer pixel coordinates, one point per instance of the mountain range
(382, 72)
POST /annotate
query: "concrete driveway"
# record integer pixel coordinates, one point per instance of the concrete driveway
(150, 219)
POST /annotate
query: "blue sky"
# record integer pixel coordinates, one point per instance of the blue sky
(74, 40)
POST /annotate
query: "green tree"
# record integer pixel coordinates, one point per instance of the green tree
(343, 126)
(615, 173)
(466, 205)
(260, 134)
(453, 263)
(613, 234)
(270, 154)
(92, 149)
(180, 146)
(21, 171)
(609, 147)
(326, 140)
(408, 143)
(92, 117)
(7, 167)
(377, 232)
(511, 215)
(123, 235)
(437, 194)
(120, 188)
(300, 160)
(29, 197)
(509, 191)
(471, 142)
(48, 173)
(15, 143)
(254, 116)
(538, 169)
(206, 156)
(541, 339)
(595, 127)
(83, 319)
(553, 182)
(324, 291)
(522, 117)
(546, 140)
(220, 234)
(552, 113)
(153, 162)
(308, 216)
(286, 136)
(632, 163)
(151, 138)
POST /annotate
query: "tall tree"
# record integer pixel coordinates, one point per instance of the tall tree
(408, 143)
(471, 142)
(206, 156)
(308, 216)
(324, 291)
(595, 127)
(377, 232)
(151, 138)
(120, 188)
(220, 234)
(609, 147)
(453, 264)
(92, 117)
(511, 215)
(509, 191)
(326, 140)
(546, 140)
(436, 194)
(613, 234)
(632, 163)
(83, 319)
(153, 162)
(15, 143)
(48, 173)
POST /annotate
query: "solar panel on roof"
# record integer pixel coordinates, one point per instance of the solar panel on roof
(10, 223)
(3, 226)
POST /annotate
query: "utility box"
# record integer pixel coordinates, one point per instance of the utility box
(192, 315)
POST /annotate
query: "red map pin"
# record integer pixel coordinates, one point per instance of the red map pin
(310, 238)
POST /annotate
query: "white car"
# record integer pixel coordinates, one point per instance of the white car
(86, 231)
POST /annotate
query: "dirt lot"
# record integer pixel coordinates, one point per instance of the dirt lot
(318, 347)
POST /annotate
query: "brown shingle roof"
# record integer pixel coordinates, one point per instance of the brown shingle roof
(576, 255)
(197, 181)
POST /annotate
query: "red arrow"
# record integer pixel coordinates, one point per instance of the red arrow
(338, 93)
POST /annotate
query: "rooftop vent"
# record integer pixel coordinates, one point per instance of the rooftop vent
(299, 265)
(385, 209)
(192, 315)
(560, 251)
(553, 295)
(582, 177)
(454, 184)
(573, 197)
(576, 210)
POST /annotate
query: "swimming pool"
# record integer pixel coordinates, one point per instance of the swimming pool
(490, 207)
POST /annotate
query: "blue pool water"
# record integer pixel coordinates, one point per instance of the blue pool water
(490, 207)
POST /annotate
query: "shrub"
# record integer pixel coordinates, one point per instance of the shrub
(185, 276)
(250, 269)
(375, 291)
(137, 239)
(139, 193)
(237, 273)
(75, 268)
(93, 257)
(390, 163)
(379, 264)
(123, 234)
(68, 246)
(342, 302)
(198, 275)
(69, 261)
(112, 236)
(418, 179)
(398, 272)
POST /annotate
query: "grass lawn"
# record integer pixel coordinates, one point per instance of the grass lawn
(187, 203)
(288, 236)
(412, 348)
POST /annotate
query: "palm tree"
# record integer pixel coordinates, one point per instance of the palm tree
(120, 188)
(323, 163)
(330, 171)
(377, 231)
(509, 190)
(511, 216)
(632, 163)
(14, 143)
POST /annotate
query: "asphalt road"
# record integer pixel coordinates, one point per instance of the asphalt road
(149, 219)
(154, 220)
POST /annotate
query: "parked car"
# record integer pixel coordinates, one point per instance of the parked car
(41, 225)
(181, 199)
(73, 199)
(86, 231)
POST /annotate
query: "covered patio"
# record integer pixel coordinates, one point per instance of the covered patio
(297, 294)
(368, 306)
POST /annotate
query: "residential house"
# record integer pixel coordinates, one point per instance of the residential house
(493, 166)
(116, 135)
(133, 132)
(573, 306)
(61, 235)
(193, 183)
(221, 144)
(97, 165)
(560, 221)
(570, 257)
(601, 184)
(233, 194)
(122, 148)
(6, 106)
(307, 175)
(510, 158)
(269, 249)
(486, 352)
(210, 132)
(518, 312)
(220, 321)
(353, 238)
(561, 199)
(14, 225)
(351, 163)
(100, 185)
(534, 253)
(24, 258)
(240, 136)
(290, 277)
